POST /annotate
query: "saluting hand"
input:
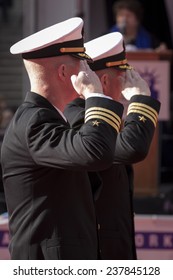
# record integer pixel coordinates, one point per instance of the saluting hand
(86, 81)
(133, 84)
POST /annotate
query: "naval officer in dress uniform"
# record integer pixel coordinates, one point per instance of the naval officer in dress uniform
(114, 205)
(44, 161)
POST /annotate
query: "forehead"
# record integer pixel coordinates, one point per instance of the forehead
(125, 12)
(114, 72)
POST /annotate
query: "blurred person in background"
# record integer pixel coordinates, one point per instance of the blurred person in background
(128, 16)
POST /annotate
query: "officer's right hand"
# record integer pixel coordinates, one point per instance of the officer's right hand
(86, 81)
(133, 84)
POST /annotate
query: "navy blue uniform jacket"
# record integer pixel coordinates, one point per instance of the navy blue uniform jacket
(114, 202)
(48, 194)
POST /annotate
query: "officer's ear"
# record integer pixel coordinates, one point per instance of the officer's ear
(62, 72)
(104, 81)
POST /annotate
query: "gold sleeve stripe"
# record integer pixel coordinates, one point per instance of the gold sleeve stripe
(132, 108)
(145, 114)
(103, 110)
(144, 106)
(103, 114)
(105, 119)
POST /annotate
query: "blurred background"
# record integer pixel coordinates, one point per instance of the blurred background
(153, 188)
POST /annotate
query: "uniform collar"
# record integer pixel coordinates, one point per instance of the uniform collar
(42, 102)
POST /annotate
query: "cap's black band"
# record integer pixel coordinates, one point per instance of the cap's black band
(101, 63)
(53, 50)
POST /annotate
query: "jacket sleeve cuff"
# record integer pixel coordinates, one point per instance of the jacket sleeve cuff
(145, 108)
(104, 110)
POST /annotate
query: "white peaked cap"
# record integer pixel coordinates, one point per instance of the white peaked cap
(107, 51)
(62, 38)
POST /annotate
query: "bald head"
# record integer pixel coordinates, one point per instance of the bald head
(51, 77)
